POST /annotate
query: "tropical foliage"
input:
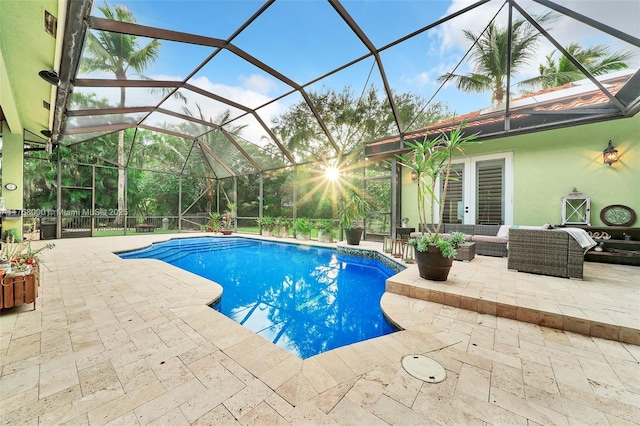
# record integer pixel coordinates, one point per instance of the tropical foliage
(157, 167)
(215, 221)
(447, 244)
(118, 53)
(266, 223)
(324, 225)
(430, 160)
(303, 225)
(490, 56)
(556, 71)
(351, 119)
(20, 256)
(353, 208)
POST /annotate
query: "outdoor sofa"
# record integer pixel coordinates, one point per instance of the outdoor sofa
(488, 242)
(558, 252)
(536, 249)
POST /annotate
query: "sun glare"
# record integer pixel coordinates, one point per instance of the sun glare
(332, 173)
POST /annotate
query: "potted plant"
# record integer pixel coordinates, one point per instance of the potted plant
(354, 208)
(325, 230)
(405, 222)
(282, 227)
(228, 219)
(429, 160)
(10, 235)
(214, 223)
(266, 224)
(20, 272)
(303, 228)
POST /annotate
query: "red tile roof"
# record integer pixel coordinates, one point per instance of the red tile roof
(560, 102)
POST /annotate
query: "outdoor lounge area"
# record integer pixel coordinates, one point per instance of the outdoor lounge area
(279, 212)
(110, 343)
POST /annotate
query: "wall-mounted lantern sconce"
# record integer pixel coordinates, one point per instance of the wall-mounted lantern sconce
(50, 76)
(610, 155)
(46, 133)
(414, 177)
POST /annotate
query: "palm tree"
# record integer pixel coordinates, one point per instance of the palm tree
(595, 59)
(489, 54)
(118, 53)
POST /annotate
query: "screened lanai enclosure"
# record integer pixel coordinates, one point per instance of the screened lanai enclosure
(167, 111)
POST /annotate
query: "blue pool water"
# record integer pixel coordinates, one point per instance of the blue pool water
(307, 300)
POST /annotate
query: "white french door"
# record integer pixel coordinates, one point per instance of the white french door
(480, 191)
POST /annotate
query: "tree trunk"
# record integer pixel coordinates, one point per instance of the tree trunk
(498, 93)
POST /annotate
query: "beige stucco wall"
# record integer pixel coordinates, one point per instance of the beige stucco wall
(549, 164)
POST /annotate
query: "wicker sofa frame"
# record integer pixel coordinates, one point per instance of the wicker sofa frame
(490, 245)
(547, 252)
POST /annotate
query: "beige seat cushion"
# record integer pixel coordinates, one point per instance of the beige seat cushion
(489, 239)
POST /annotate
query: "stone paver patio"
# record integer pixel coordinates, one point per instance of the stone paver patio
(134, 342)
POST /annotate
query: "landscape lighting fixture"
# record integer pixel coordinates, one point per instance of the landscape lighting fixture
(50, 76)
(610, 155)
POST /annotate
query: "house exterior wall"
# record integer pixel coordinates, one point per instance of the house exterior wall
(12, 172)
(549, 164)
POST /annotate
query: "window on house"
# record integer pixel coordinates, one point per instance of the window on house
(480, 191)
(490, 192)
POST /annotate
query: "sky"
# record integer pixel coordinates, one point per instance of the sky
(305, 39)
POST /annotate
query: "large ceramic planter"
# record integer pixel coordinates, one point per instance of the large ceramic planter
(303, 236)
(18, 288)
(432, 265)
(353, 235)
(266, 232)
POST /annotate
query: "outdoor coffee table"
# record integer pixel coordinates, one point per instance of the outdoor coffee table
(466, 252)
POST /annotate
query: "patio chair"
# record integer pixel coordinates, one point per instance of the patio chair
(547, 252)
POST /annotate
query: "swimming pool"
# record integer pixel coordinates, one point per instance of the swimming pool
(307, 300)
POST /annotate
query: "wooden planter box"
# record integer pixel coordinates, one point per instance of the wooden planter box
(19, 288)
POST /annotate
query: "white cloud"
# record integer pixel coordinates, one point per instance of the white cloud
(252, 95)
(243, 96)
(420, 80)
(623, 15)
(258, 83)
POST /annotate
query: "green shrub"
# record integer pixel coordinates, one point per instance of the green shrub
(324, 225)
(446, 243)
(303, 225)
(267, 223)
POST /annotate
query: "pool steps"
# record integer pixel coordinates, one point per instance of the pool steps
(167, 252)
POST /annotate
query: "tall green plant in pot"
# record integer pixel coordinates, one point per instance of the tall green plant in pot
(214, 223)
(429, 160)
(354, 208)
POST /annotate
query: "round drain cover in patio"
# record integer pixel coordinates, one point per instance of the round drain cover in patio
(424, 368)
